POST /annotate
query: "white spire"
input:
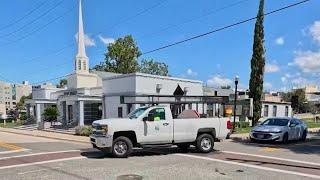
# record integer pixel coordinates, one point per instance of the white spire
(81, 58)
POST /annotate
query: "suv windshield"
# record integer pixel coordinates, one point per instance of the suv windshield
(275, 122)
(136, 113)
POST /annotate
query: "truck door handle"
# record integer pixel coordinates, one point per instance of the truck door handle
(165, 124)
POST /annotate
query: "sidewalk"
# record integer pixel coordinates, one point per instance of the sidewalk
(246, 135)
(45, 134)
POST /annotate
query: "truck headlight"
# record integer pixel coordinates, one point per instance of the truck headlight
(104, 129)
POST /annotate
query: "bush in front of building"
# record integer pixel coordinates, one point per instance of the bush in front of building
(242, 124)
(83, 130)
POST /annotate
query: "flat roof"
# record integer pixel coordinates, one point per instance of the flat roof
(151, 76)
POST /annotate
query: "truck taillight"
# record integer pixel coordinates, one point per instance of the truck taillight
(229, 125)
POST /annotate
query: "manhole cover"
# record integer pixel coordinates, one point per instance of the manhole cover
(129, 177)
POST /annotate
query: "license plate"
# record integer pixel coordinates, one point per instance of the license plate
(260, 136)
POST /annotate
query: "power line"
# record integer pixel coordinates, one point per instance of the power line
(223, 28)
(33, 21)
(40, 28)
(136, 15)
(25, 16)
(196, 18)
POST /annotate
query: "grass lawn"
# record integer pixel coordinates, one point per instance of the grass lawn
(243, 130)
(10, 124)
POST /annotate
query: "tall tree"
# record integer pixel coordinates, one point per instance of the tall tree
(62, 83)
(154, 67)
(257, 65)
(121, 57)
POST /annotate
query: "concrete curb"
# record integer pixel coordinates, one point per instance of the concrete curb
(50, 135)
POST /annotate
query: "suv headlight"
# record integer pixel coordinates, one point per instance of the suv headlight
(104, 129)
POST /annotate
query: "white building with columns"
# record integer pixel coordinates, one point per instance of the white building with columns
(80, 102)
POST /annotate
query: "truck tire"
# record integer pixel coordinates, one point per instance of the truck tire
(122, 147)
(184, 147)
(205, 143)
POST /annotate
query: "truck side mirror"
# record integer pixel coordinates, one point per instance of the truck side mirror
(145, 119)
(150, 117)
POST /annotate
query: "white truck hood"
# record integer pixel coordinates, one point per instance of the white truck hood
(118, 124)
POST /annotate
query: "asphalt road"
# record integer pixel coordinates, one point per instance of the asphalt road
(25, 157)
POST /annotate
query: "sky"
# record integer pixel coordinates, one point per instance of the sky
(39, 45)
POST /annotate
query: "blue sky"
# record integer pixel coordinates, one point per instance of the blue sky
(292, 38)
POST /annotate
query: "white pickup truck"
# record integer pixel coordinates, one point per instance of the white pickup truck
(148, 126)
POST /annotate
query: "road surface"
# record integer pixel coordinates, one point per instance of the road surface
(26, 157)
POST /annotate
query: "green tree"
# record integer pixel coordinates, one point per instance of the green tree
(154, 67)
(298, 101)
(62, 83)
(50, 114)
(121, 56)
(21, 103)
(257, 65)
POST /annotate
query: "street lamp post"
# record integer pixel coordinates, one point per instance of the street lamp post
(236, 81)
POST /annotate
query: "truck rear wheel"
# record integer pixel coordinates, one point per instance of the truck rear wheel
(205, 143)
(121, 147)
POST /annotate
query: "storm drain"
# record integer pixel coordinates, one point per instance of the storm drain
(129, 177)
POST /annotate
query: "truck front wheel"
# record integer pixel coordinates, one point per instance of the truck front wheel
(122, 147)
(205, 143)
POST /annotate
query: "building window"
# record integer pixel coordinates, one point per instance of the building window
(274, 112)
(79, 65)
(287, 111)
(129, 107)
(84, 65)
(119, 112)
(266, 111)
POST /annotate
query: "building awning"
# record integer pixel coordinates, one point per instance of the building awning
(40, 101)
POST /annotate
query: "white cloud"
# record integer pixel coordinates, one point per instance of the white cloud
(279, 41)
(315, 31)
(307, 61)
(191, 73)
(267, 85)
(271, 68)
(283, 79)
(106, 40)
(88, 41)
(300, 81)
(218, 81)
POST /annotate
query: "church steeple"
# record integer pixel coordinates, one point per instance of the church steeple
(81, 61)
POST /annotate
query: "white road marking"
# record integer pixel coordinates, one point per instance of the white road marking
(42, 162)
(42, 153)
(35, 171)
(275, 158)
(14, 151)
(249, 165)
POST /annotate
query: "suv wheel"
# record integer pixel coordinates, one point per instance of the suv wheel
(122, 147)
(285, 138)
(304, 136)
(205, 143)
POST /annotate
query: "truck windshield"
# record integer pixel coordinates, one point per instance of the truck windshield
(136, 113)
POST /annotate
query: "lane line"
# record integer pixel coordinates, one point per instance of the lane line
(10, 146)
(249, 165)
(35, 154)
(270, 157)
(42, 162)
(14, 151)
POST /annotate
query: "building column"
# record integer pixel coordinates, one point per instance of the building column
(81, 113)
(38, 112)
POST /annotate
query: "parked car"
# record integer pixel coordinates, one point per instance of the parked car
(153, 126)
(280, 129)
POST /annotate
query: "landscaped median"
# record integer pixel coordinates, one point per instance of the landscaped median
(51, 135)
